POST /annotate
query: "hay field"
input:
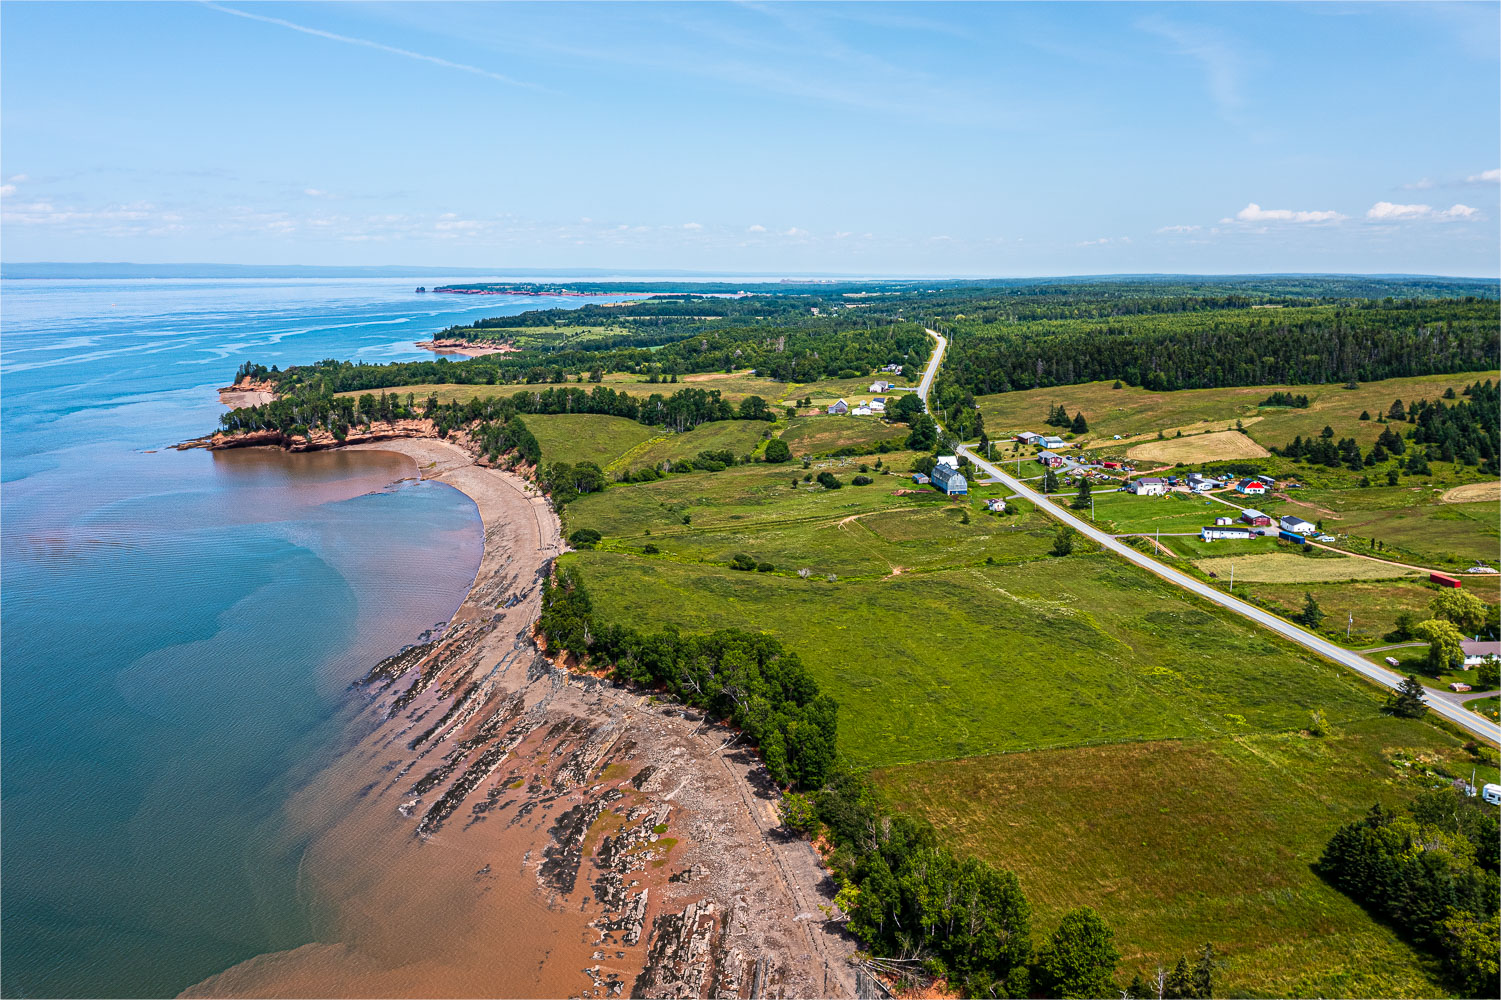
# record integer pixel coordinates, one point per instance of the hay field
(1214, 447)
(1490, 492)
(1288, 567)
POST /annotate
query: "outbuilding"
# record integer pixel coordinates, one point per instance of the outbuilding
(1256, 517)
(1296, 525)
(949, 479)
(839, 409)
(1214, 532)
(1027, 437)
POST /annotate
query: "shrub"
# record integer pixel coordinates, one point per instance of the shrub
(584, 538)
(741, 561)
(777, 451)
(650, 549)
(764, 567)
(827, 481)
(862, 481)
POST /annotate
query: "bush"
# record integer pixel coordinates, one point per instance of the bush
(584, 538)
(764, 567)
(777, 451)
(862, 481)
(650, 549)
(741, 561)
(827, 481)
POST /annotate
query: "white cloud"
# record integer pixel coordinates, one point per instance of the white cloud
(19, 178)
(756, 229)
(1420, 185)
(314, 193)
(1094, 243)
(794, 231)
(1387, 210)
(6, 190)
(1179, 229)
(1485, 177)
(1255, 213)
(693, 225)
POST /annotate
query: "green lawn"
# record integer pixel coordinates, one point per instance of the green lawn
(1488, 707)
(1173, 513)
(579, 437)
(1181, 842)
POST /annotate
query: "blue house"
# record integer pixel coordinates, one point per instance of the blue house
(948, 479)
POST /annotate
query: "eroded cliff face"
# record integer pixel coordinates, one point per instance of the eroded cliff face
(488, 779)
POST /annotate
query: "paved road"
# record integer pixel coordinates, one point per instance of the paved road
(1439, 705)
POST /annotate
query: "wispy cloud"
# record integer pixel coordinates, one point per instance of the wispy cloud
(758, 228)
(369, 44)
(1223, 63)
(1255, 213)
(1179, 229)
(1419, 185)
(1385, 211)
(1485, 177)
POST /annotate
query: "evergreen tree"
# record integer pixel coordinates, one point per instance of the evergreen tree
(1203, 974)
(1080, 425)
(1180, 983)
(1080, 958)
(1407, 701)
(1081, 499)
(1312, 615)
(1049, 481)
(1063, 541)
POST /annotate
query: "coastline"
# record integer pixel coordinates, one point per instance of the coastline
(464, 348)
(503, 827)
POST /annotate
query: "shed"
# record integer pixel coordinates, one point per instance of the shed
(1256, 517)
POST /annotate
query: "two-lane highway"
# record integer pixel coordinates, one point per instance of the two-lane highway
(1457, 714)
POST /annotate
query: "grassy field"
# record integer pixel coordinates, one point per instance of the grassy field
(819, 435)
(1131, 411)
(579, 437)
(1374, 605)
(1181, 842)
(1410, 518)
(1175, 512)
(1218, 446)
(738, 436)
(1291, 567)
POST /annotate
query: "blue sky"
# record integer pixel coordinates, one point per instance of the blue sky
(1008, 139)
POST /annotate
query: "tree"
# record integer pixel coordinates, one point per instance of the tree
(1049, 481)
(1392, 477)
(798, 813)
(1488, 674)
(1081, 499)
(1117, 384)
(1445, 643)
(1462, 608)
(1312, 615)
(1365, 414)
(1407, 701)
(1080, 958)
(1406, 622)
(1203, 974)
(1080, 425)
(777, 451)
(1063, 541)
(1180, 982)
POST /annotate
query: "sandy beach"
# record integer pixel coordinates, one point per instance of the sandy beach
(502, 827)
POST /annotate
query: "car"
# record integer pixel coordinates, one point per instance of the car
(1326, 538)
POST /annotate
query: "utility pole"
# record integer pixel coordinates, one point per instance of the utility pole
(1232, 578)
(1348, 625)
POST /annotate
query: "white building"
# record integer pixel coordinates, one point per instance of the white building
(1148, 486)
(1296, 525)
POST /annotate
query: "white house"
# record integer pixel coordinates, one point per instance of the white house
(1251, 487)
(1148, 486)
(1296, 525)
(1476, 653)
(860, 410)
(995, 504)
(839, 409)
(880, 386)
(1027, 437)
(1210, 533)
(877, 406)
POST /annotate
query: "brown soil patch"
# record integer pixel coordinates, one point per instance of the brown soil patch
(1472, 492)
(1199, 448)
(715, 376)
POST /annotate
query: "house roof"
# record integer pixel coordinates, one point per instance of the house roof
(1252, 482)
(1289, 520)
(1151, 479)
(1047, 454)
(1239, 529)
(1473, 648)
(1248, 512)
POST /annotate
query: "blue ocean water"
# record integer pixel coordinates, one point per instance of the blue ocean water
(178, 630)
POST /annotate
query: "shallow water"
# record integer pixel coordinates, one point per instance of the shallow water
(178, 630)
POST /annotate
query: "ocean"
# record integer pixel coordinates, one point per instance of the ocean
(179, 629)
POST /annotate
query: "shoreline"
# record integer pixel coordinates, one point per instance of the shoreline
(465, 348)
(540, 833)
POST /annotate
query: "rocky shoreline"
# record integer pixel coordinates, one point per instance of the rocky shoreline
(465, 348)
(653, 846)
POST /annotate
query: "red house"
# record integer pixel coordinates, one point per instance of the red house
(1251, 487)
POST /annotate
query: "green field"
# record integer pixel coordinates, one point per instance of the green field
(1374, 605)
(1410, 518)
(822, 434)
(1173, 513)
(579, 437)
(1133, 412)
(1181, 842)
(739, 436)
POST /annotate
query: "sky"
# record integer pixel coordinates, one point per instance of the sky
(882, 139)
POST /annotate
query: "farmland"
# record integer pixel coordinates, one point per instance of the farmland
(1369, 608)
(820, 435)
(1186, 841)
(1291, 567)
(1133, 412)
(1216, 446)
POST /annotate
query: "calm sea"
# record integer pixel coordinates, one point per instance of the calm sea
(178, 630)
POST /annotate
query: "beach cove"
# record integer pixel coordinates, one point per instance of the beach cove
(505, 827)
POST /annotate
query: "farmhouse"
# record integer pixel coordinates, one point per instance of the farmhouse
(1476, 653)
(880, 386)
(877, 405)
(1212, 532)
(948, 479)
(1147, 486)
(1296, 524)
(1250, 487)
(1027, 437)
(1051, 459)
(839, 409)
(1256, 517)
(996, 505)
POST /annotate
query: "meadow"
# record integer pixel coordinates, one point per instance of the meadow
(742, 437)
(1368, 608)
(1183, 842)
(1135, 413)
(580, 437)
(1293, 567)
(822, 434)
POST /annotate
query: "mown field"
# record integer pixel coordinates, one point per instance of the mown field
(819, 435)
(1132, 412)
(1183, 842)
(580, 437)
(1293, 567)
